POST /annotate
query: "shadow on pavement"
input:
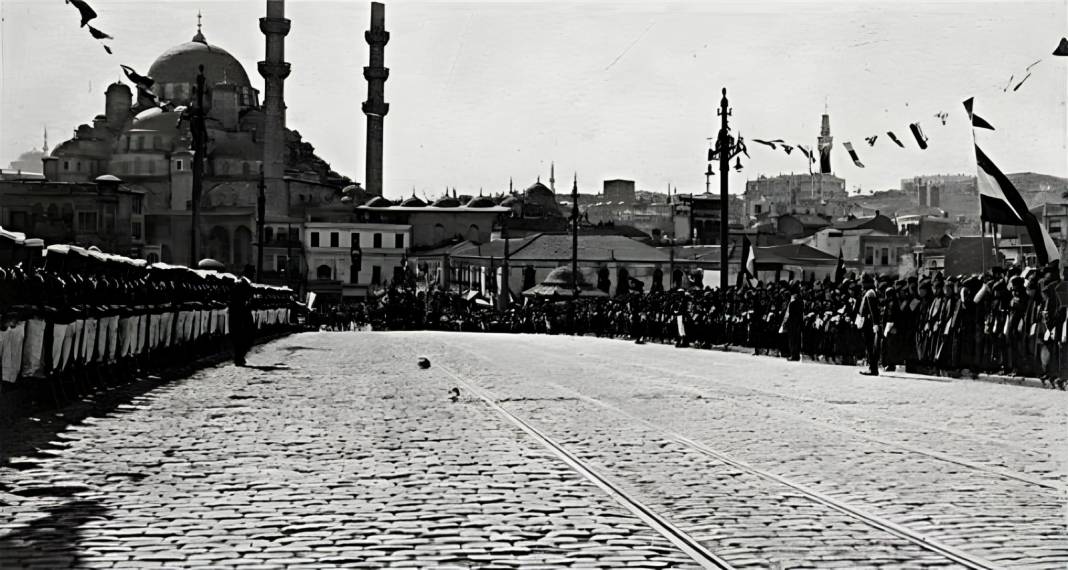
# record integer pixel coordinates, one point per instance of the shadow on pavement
(51, 539)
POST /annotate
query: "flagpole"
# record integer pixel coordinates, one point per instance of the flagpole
(982, 256)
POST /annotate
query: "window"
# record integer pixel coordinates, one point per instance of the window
(294, 234)
(157, 142)
(869, 255)
(398, 241)
(152, 258)
(139, 143)
(323, 272)
(18, 220)
(376, 274)
(377, 241)
(315, 239)
(137, 165)
(66, 165)
(151, 167)
(1055, 227)
(354, 274)
(335, 239)
(354, 240)
(280, 263)
(135, 230)
(268, 235)
(78, 166)
(137, 204)
(87, 222)
(886, 256)
(757, 208)
(178, 165)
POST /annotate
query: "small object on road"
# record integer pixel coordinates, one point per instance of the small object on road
(454, 394)
(424, 363)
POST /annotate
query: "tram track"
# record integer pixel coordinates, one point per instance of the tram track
(934, 454)
(707, 558)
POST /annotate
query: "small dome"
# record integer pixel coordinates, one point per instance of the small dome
(481, 202)
(447, 202)
(539, 189)
(378, 202)
(413, 202)
(107, 178)
(180, 65)
(510, 201)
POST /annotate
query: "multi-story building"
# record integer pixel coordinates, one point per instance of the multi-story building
(955, 194)
(345, 259)
(619, 191)
(105, 212)
(817, 194)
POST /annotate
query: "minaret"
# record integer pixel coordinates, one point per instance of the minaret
(376, 107)
(825, 142)
(274, 71)
(552, 177)
(44, 147)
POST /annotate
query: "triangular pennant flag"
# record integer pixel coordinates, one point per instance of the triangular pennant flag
(853, 154)
(1062, 48)
(917, 132)
(807, 152)
(871, 140)
(894, 138)
(765, 143)
(1018, 85)
(106, 48)
(86, 11)
(1052, 253)
(97, 34)
(138, 79)
(976, 120)
(787, 148)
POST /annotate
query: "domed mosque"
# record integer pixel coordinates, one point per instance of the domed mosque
(145, 143)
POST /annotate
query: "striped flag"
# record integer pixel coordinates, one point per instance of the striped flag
(976, 120)
(894, 138)
(853, 154)
(1001, 203)
(917, 132)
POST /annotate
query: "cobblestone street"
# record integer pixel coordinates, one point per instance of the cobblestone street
(335, 450)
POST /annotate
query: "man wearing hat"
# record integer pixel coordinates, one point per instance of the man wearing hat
(793, 320)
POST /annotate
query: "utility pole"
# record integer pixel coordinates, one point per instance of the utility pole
(200, 135)
(726, 149)
(505, 298)
(261, 210)
(574, 250)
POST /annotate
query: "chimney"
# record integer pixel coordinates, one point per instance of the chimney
(376, 107)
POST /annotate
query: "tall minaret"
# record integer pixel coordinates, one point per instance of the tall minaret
(375, 107)
(825, 141)
(274, 71)
(44, 148)
(552, 177)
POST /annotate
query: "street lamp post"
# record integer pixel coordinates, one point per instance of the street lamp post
(726, 149)
(200, 135)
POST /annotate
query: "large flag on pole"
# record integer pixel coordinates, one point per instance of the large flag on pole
(1001, 203)
(748, 263)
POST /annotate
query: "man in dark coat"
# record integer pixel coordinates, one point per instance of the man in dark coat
(242, 329)
(793, 321)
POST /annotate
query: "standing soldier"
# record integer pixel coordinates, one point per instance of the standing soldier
(869, 319)
(792, 322)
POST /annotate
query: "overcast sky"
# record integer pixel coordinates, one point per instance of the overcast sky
(480, 92)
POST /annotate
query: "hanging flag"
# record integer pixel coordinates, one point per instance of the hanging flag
(894, 138)
(853, 154)
(137, 78)
(1037, 61)
(1062, 48)
(942, 115)
(766, 143)
(918, 133)
(787, 148)
(1021, 82)
(84, 9)
(807, 152)
(871, 140)
(839, 268)
(740, 279)
(106, 48)
(1000, 203)
(742, 147)
(976, 120)
(97, 34)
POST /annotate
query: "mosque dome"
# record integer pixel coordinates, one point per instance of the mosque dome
(413, 202)
(539, 190)
(510, 201)
(540, 202)
(481, 202)
(447, 202)
(180, 64)
(378, 202)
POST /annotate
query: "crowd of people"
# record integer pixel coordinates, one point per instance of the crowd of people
(70, 313)
(1005, 321)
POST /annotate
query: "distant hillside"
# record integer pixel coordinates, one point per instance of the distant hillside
(1040, 188)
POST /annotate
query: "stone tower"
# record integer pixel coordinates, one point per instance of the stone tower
(825, 142)
(274, 71)
(376, 107)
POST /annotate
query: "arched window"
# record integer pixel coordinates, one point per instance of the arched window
(157, 142)
(323, 272)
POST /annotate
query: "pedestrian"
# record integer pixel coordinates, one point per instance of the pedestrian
(869, 321)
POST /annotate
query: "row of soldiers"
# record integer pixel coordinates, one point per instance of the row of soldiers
(1011, 322)
(72, 313)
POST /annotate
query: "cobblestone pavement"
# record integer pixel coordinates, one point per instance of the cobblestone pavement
(337, 451)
